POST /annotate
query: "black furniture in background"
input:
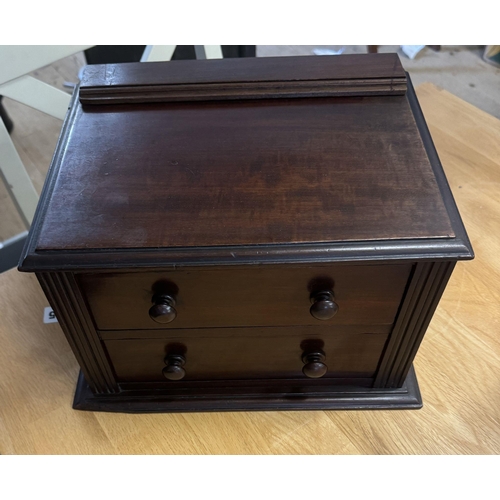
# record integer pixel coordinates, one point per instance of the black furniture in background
(104, 54)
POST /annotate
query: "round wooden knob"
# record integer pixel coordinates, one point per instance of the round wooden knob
(323, 307)
(174, 370)
(163, 310)
(313, 364)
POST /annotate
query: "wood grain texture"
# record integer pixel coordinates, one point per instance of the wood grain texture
(35, 136)
(457, 247)
(188, 175)
(457, 363)
(282, 395)
(12, 223)
(271, 296)
(236, 79)
(242, 91)
(63, 295)
(215, 356)
(425, 289)
(352, 66)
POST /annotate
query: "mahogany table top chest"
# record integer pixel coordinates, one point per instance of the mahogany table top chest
(245, 234)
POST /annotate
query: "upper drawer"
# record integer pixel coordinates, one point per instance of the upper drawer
(252, 296)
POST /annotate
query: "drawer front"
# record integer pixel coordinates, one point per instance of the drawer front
(216, 355)
(252, 296)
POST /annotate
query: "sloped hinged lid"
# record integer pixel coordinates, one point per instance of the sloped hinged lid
(244, 160)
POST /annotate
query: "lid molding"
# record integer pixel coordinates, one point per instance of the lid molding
(229, 79)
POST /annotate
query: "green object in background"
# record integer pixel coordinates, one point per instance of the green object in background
(492, 54)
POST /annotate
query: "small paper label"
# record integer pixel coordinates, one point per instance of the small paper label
(49, 316)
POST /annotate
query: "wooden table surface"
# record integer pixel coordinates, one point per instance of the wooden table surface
(458, 364)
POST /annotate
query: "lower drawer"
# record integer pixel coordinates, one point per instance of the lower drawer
(213, 354)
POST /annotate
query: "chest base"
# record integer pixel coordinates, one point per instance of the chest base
(282, 395)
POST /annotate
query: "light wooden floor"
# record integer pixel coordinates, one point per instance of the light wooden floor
(460, 69)
(35, 136)
(458, 364)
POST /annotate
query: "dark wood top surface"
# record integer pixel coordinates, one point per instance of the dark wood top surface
(247, 78)
(303, 68)
(242, 173)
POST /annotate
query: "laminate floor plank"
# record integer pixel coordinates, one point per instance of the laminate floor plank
(35, 136)
(223, 433)
(69, 432)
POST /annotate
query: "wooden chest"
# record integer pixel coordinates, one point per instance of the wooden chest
(246, 234)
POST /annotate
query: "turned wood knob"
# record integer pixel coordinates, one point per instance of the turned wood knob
(174, 370)
(323, 307)
(163, 310)
(313, 364)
